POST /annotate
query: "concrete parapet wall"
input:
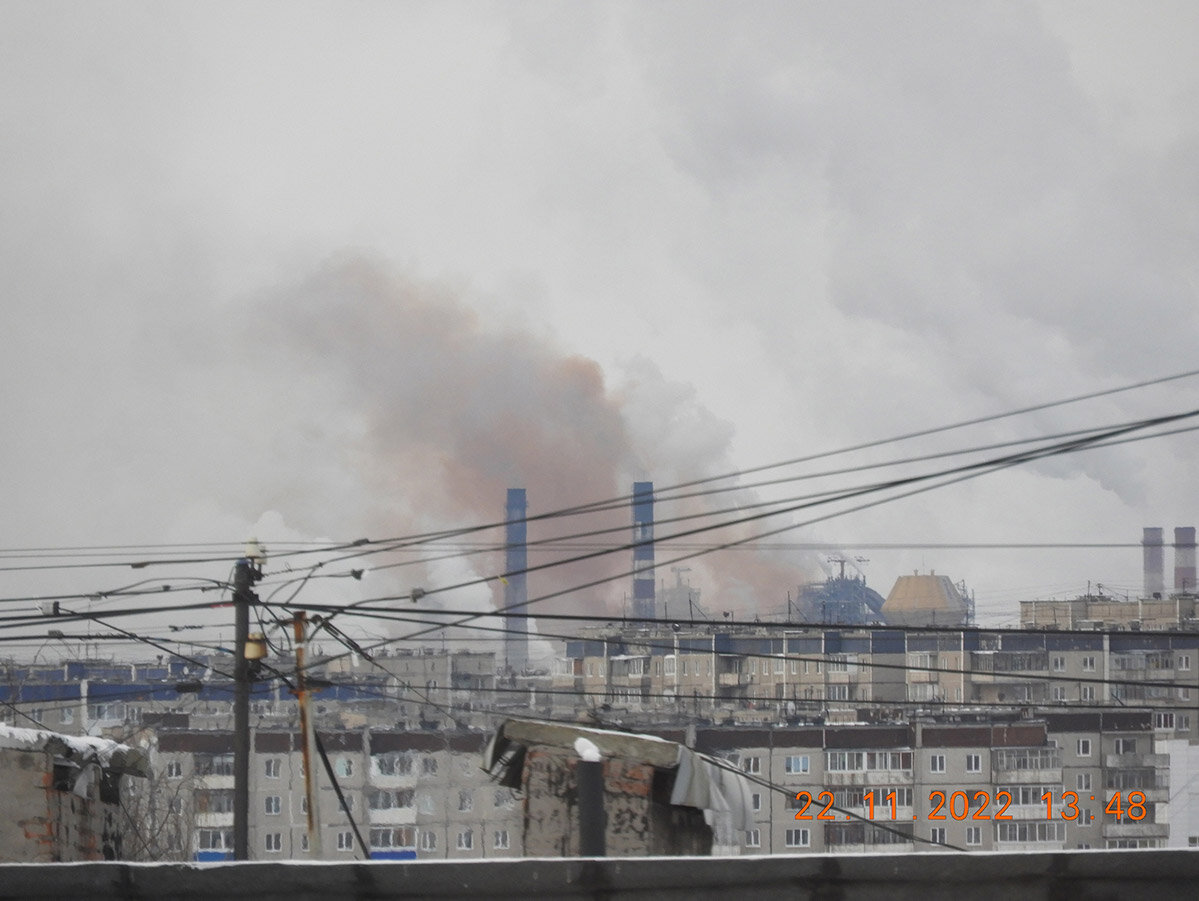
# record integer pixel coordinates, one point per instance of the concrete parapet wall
(1078, 876)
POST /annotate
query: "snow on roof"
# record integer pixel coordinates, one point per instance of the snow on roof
(79, 749)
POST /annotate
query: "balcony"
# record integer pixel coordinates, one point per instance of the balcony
(1136, 761)
(1152, 795)
(393, 779)
(214, 820)
(732, 680)
(1136, 830)
(393, 816)
(889, 847)
(1041, 776)
(869, 779)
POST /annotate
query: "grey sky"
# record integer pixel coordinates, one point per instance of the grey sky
(322, 270)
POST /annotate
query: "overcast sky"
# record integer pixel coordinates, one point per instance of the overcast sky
(330, 270)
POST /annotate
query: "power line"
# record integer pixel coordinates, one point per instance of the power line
(950, 476)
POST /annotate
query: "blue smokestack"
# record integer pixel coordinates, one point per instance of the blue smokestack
(516, 561)
(643, 550)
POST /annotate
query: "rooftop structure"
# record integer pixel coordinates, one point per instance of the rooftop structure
(928, 600)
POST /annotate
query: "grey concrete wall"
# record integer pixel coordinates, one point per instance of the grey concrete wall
(1077, 876)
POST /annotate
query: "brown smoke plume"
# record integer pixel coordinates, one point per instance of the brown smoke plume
(445, 414)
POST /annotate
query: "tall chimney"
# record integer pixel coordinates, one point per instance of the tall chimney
(643, 550)
(1154, 562)
(516, 592)
(1184, 558)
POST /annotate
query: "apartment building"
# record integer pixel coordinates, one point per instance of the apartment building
(1020, 785)
(774, 674)
(412, 795)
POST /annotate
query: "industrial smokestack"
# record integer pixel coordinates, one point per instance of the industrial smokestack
(516, 592)
(643, 550)
(1184, 558)
(1154, 562)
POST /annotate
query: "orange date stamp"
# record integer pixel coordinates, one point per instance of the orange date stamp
(973, 805)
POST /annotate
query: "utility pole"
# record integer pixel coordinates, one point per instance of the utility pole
(246, 572)
(309, 738)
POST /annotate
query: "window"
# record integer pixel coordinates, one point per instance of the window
(304, 842)
(1088, 664)
(174, 769)
(889, 760)
(272, 767)
(393, 837)
(936, 763)
(214, 764)
(752, 764)
(274, 806)
(391, 763)
(670, 662)
(345, 841)
(503, 799)
(428, 840)
(937, 835)
(753, 838)
(1086, 693)
(1059, 664)
(756, 800)
(779, 666)
(1059, 692)
(466, 840)
(840, 761)
(1031, 831)
(215, 839)
(974, 763)
(1163, 721)
(1083, 782)
(68, 716)
(883, 799)
(974, 835)
(392, 799)
(345, 766)
(798, 838)
(214, 801)
(1086, 819)
(1184, 662)
(796, 763)
(1084, 747)
(429, 766)
(1031, 795)
(500, 840)
(466, 801)
(1126, 745)
(274, 841)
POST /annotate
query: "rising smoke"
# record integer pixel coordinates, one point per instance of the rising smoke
(443, 413)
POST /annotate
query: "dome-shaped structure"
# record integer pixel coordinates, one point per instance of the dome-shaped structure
(929, 600)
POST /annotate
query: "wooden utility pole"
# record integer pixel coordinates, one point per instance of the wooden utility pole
(308, 736)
